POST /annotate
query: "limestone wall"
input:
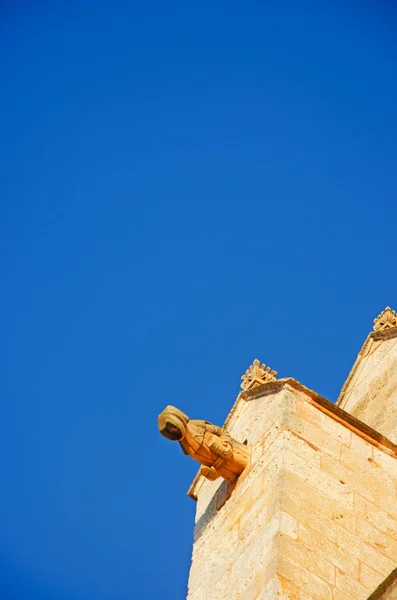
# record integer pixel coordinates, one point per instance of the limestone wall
(313, 517)
(370, 392)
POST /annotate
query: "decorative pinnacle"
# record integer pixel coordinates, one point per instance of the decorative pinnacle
(386, 319)
(256, 375)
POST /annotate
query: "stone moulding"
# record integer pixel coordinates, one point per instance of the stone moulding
(332, 410)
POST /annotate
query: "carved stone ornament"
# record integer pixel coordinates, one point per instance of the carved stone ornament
(210, 445)
(256, 375)
(386, 319)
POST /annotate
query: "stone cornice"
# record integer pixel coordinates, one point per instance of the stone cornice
(325, 406)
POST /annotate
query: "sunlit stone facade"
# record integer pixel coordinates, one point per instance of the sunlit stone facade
(313, 516)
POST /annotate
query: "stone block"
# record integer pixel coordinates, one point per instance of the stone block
(304, 579)
(326, 482)
(307, 558)
(361, 548)
(310, 413)
(350, 586)
(323, 546)
(368, 469)
(387, 463)
(323, 503)
(361, 447)
(350, 479)
(381, 541)
(305, 513)
(289, 525)
(339, 595)
(369, 577)
(385, 523)
(318, 438)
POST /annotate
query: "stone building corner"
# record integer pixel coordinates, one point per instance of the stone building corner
(313, 515)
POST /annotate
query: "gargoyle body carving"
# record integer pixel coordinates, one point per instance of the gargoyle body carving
(210, 445)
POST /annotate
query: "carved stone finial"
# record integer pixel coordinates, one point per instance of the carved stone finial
(210, 445)
(386, 319)
(256, 375)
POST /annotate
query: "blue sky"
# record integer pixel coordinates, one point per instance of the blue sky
(184, 187)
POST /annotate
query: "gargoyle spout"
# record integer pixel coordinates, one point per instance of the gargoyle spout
(219, 454)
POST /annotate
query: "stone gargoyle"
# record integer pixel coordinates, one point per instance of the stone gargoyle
(210, 445)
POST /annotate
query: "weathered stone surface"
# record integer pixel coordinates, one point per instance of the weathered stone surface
(310, 510)
(370, 391)
(307, 518)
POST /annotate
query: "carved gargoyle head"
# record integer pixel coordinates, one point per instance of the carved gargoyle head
(172, 423)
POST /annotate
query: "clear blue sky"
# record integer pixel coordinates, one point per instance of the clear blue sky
(184, 187)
